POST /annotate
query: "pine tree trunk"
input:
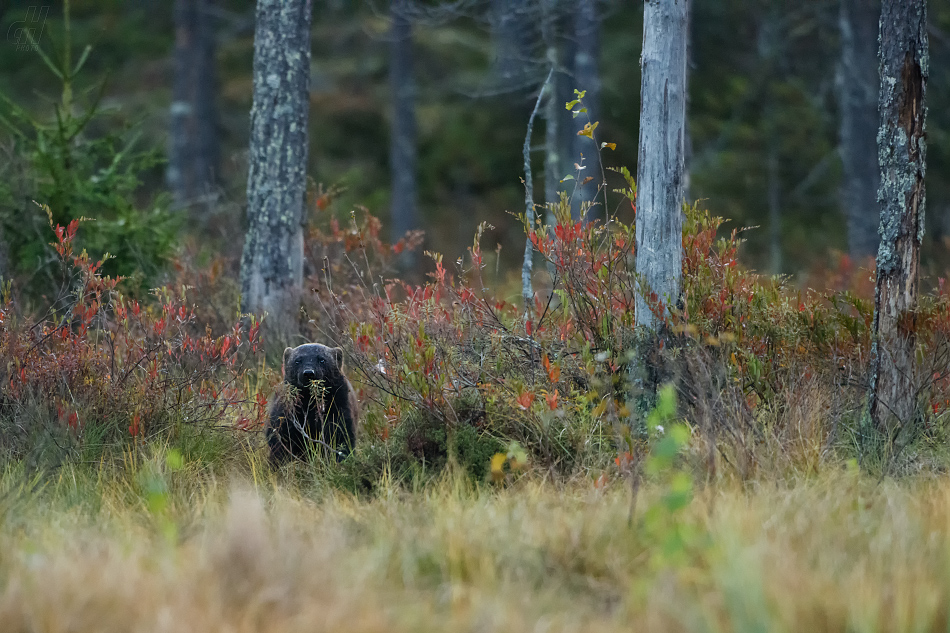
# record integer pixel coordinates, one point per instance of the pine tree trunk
(552, 110)
(857, 96)
(903, 60)
(774, 193)
(587, 78)
(403, 136)
(660, 164)
(193, 163)
(272, 262)
(769, 47)
(512, 35)
(565, 85)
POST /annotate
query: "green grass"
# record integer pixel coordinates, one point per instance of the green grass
(161, 544)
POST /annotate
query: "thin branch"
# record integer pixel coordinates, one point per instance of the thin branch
(526, 291)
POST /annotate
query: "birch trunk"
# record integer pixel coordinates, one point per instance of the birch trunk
(903, 58)
(272, 262)
(858, 88)
(660, 165)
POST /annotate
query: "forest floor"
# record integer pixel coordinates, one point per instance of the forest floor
(160, 545)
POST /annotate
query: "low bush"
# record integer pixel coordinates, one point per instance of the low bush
(767, 375)
(102, 373)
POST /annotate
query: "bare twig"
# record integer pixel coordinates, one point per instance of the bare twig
(526, 290)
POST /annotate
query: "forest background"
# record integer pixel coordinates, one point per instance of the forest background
(766, 81)
(509, 475)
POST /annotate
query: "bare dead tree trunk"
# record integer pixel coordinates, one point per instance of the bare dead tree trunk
(272, 262)
(194, 155)
(660, 163)
(403, 135)
(587, 78)
(903, 58)
(857, 96)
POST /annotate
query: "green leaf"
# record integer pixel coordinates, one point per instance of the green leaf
(49, 63)
(680, 434)
(82, 59)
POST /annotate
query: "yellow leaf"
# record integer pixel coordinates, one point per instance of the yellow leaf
(498, 466)
(608, 145)
(588, 130)
(600, 408)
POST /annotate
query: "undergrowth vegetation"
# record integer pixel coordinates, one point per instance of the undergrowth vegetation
(450, 371)
(766, 377)
(517, 466)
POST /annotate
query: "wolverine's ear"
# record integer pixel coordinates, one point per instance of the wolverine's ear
(288, 351)
(338, 356)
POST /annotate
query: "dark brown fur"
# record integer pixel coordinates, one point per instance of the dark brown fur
(316, 408)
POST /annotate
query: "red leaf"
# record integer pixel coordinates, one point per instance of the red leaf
(525, 400)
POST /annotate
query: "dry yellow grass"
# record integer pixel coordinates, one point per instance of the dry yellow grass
(90, 553)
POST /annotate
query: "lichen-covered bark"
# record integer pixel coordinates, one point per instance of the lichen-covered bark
(660, 164)
(402, 146)
(902, 156)
(193, 132)
(272, 262)
(858, 88)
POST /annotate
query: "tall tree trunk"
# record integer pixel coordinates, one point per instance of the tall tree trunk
(565, 92)
(857, 96)
(552, 109)
(272, 262)
(587, 78)
(902, 148)
(512, 35)
(193, 163)
(769, 47)
(688, 141)
(774, 191)
(403, 136)
(661, 154)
